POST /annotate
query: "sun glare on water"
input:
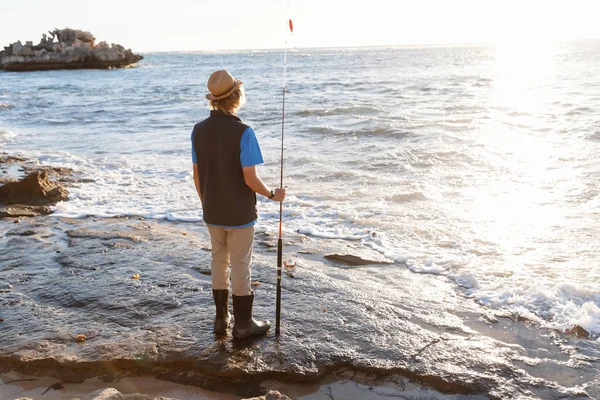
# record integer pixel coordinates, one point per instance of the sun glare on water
(517, 202)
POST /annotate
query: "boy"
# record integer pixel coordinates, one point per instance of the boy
(225, 154)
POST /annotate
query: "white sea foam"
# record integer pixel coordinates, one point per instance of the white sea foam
(6, 135)
(561, 306)
(389, 253)
(426, 266)
(335, 234)
(465, 279)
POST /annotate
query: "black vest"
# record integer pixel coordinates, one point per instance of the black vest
(226, 199)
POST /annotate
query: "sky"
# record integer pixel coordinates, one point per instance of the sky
(193, 25)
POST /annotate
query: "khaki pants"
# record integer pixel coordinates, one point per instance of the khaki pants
(231, 246)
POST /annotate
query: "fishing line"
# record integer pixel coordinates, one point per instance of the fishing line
(279, 241)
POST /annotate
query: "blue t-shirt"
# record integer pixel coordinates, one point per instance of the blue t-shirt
(250, 155)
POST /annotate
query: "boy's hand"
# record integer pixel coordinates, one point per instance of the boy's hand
(279, 194)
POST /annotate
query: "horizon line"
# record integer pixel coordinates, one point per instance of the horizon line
(381, 46)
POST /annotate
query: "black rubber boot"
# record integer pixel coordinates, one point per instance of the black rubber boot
(245, 325)
(222, 304)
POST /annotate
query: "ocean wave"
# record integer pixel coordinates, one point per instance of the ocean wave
(391, 90)
(460, 109)
(594, 136)
(324, 130)
(345, 110)
(6, 135)
(382, 131)
(562, 306)
(403, 197)
(423, 89)
(55, 121)
(452, 121)
(309, 112)
(60, 88)
(580, 111)
(518, 114)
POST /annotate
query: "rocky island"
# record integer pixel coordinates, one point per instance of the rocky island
(66, 49)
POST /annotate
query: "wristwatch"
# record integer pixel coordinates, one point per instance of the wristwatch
(272, 194)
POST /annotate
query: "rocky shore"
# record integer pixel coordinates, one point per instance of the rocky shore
(65, 49)
(119, 298)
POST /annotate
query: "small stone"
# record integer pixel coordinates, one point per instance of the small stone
(351, 259)
(579, 332)
(80, 338)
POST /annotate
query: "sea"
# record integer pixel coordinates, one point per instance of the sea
(480, 163)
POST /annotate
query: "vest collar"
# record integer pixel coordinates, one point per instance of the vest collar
(219, 113)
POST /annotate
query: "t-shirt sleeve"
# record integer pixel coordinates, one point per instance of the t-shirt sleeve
(194, 159)
(250, 153)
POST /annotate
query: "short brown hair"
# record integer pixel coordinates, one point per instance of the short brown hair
(231, 103)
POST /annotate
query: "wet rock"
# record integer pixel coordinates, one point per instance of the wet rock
(350, 259)
(272, 395)
(379, 320)
(66, 49)
(204, 271)
(5, 286)
(106, 394)
(114, 394)
(579, 332)
(6, 159)
(21, 232)
(18, 210)
(137, 236)
(34, 190)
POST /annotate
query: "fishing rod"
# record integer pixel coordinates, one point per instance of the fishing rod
(279, 241)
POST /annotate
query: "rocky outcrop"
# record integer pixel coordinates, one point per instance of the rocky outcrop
(65, 49)
(34, 190)
(33, 195)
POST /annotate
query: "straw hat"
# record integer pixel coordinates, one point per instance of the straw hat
(221, 84)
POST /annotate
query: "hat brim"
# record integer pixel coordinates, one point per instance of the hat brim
(236, 85)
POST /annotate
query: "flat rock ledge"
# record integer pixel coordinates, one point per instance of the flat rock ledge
(114, 298)
(65, 49)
